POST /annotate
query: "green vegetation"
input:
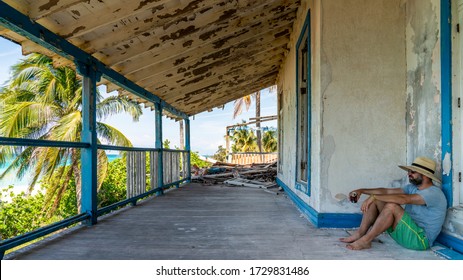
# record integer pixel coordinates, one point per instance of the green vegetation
(270, 141)
(221, 154)
(24, 213)
(196, 161)
(44, 102)
(244, 140)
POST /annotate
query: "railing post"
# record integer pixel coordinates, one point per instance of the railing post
(188, 148)
(158, 145)
(89, 159)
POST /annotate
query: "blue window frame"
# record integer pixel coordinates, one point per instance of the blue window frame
(303, 101)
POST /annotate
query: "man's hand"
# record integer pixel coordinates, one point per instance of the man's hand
(366, 204)
(354, 195)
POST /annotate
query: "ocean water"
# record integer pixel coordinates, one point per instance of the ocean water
(21, 185)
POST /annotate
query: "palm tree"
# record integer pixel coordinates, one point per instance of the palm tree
(270, 142)
(244, 140)
(43, 102)
(247, 101)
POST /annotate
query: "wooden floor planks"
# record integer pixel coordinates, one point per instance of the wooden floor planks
(216, 222)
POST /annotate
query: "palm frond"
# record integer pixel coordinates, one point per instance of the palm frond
(17, 120)
(102, 167)
(239, 103)
(115, 105)
(111, 135)
(67, 128)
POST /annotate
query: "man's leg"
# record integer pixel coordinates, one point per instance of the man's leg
(389, 216)
(368, 218)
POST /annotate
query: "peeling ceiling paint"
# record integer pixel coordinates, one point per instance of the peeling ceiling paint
(196, 54)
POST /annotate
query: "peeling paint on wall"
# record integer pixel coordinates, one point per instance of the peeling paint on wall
(423, 80)
(446, 164)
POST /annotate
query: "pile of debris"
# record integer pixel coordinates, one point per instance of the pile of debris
(256, 175)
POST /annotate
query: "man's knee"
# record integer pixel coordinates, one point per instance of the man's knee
(393, 207)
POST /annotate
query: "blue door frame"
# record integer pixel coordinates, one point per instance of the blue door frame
(446, 117)
(305, 186)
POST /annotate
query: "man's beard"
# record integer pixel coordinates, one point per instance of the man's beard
(416, 181)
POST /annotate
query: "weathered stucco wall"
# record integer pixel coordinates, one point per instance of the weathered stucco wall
(358, 99)
(363, 95)
(423, 80)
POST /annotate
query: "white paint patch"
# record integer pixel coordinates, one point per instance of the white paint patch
(437, 98)
(446, 164)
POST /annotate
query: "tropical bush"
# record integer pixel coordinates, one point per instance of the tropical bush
(113, 188)
(24, 213)
(221, 154)
(196, 161)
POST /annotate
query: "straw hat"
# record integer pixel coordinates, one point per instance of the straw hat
(425, 166)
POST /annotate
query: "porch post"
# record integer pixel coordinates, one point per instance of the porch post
(188, 148)
(446, 99)
(89, 162)
(158, 145)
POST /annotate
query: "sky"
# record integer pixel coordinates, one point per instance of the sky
(207, 130)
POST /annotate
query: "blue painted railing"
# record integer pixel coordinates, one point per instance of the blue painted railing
(83, 217)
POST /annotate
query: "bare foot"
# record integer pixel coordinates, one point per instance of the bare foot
(359, 245)
(354, 237)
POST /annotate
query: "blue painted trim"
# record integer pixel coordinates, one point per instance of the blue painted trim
(446, 94)
(23, 25)
(306, 187)
(41, 143)
(308, 211)
(158, 145)
(447, 253)
(322, 220)
(451, 242)
(89, 156)
(188, 148)
(134, 199)
(174, 150)
(133, 149)
(21, 239)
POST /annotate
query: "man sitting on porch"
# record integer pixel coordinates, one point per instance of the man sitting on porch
(415, 227)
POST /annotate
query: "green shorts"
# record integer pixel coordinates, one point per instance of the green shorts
(408, 234)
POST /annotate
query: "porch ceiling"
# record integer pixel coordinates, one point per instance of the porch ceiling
(194, 54)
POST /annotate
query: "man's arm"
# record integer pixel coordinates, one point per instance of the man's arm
(379, 191)
(399, 198)
(393, 198)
